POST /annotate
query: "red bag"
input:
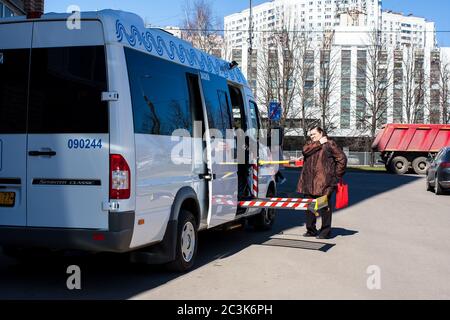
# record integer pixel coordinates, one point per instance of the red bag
(342, 195)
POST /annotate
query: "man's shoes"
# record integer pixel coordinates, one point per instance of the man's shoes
(323, 236)
(309, 234)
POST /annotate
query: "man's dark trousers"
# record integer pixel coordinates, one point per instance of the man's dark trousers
(325, 213)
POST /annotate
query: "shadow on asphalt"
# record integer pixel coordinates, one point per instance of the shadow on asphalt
(341, 232)
(362, 184)
(110, 276)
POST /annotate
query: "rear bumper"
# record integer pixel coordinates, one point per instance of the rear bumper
(116, 239)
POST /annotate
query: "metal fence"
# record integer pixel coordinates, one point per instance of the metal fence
(354, 158)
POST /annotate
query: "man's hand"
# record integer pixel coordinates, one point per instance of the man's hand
(323, 140)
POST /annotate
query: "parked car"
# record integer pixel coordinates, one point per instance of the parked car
(438, 173)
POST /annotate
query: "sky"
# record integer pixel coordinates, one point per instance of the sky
(171, 12)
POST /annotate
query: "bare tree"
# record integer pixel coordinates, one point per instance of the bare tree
(282, 73)
(444, 83)
(287, 89)
(376, 99)
(328, 83)
(267, 74)
(414, 81)
(199, 26)
(305, 55)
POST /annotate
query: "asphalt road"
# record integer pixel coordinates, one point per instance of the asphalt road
(394, 233)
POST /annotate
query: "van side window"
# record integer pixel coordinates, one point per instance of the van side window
(159, 94)
(217, 106)
(237, 108)
(225, 108)
(65, 90)
(254, 119)
(14, 66)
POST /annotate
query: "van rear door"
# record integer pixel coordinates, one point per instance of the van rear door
(68, 127)
(15, 44)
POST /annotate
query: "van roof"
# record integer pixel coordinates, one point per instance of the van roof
(129, 30)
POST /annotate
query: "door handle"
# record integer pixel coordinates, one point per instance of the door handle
(42, 153)
(207, 176)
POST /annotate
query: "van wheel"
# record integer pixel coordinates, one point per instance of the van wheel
(437, 187)
(265, 220)
(400, 165)
(187, 242)
(420, 165)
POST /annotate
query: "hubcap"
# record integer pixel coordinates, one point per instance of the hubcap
(188, 241)
(422, 166)
(399, 165)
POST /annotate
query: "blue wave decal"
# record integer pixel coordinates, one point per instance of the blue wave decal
(148, 40)
(189, 55)
(192, 57)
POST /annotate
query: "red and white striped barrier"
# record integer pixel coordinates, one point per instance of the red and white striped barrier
(291, 200)
(298, 205)
(313, 205)
(255, 180)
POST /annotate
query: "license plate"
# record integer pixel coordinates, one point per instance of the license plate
(7, 199)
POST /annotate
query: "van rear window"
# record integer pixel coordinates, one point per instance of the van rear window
(14, 66)
(65, 90)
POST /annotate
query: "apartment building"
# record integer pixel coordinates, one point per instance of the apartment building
(407, 30)
(409, 46)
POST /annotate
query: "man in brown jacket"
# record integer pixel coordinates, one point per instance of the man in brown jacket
(324, 164)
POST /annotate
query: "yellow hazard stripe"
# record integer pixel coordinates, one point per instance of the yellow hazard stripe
(321, 202)
(263, 163)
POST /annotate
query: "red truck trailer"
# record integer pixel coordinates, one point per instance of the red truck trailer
(405, 146)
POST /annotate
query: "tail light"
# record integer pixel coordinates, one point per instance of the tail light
(120, 178)
(445, 165)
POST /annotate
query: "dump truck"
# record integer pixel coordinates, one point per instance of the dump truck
(408, 146)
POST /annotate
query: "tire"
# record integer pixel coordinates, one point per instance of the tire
(437, 187)
(187, 243)
(427, 183)
(265, 220)
(399, 165)
(420, 165)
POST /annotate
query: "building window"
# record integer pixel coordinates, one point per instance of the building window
(5, 11)
(398, 86)
(346, 60)
(361, 87)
